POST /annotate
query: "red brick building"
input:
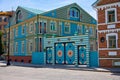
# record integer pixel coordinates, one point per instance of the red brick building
(4, 20)
(108, 12)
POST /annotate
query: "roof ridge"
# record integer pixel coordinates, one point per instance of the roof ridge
(59, 8)
(36, 11)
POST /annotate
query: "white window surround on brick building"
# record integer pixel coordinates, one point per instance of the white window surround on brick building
(106, 14)
(112, 34)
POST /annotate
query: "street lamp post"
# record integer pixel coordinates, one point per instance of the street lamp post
(9, 15)
(8, 55)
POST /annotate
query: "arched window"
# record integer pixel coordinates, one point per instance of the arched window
(18, 16)
(74, 12)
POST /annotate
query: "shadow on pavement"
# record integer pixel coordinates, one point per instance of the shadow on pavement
(117, 74)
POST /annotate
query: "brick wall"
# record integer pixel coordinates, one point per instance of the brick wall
(25, 59)
(105, 54)
(105, 63)
(101, 16)
(104, 44)
(108, 63)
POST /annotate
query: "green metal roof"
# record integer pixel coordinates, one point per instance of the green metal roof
(35, 11)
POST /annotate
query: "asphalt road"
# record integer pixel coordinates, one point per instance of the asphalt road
(31, 73)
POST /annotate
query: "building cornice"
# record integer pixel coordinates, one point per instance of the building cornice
(109, 31)
(108, 5)
(110, 58)
(108, 23)
(109, 48)
(50, 18)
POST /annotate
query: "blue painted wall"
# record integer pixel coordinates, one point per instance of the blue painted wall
(74, 19)
(20, 53)
(93, 59)
(38, 58)
(73, 29)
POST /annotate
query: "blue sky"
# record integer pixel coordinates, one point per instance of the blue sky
(46, 5)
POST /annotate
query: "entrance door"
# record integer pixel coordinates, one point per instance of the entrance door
(70, 53)
(59, 53)
(49, 55)
(82, 54)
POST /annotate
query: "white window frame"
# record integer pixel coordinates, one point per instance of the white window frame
(45, 21)
(60, 28)
(22, 46)
(52, 26)
(30, 41)
(41, 27)
(23, 28)
(16, 47)
(31, 25)
(80, 27)
(66, 23)
(106, 15)
(16, 31)
(11, 34)
(112, 34)
(75, 12)
(92, 30)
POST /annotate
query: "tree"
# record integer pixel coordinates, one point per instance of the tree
(1, 46)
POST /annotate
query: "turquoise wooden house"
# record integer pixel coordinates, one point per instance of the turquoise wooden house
(66, 35)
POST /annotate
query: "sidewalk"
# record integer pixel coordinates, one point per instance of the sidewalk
(68, 67)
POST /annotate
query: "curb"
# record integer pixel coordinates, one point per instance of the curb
(117, 70)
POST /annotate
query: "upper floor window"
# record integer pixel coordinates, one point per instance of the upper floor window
(79, 29)
(83, 29)
(31, 27)
(40, 27)
(31, 46)
(67, 27)
(22, 47)
(60, 28)
(111, 15)
(16, 32)
(16, 47)
(18, 16)
(45, 25)
(112, 40)
(53, 26)
(91, 31)
(74, 12)
(23, 29)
